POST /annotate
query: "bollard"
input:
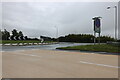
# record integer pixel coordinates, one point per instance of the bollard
(27, 43)
(32, 43)
(23, 44)
(17, 44)
(3, 44)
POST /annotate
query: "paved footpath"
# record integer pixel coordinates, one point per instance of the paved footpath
(58, 64)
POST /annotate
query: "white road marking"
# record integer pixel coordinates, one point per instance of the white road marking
(27, 54)
(99, 64)
(18, 50)
(2, 51)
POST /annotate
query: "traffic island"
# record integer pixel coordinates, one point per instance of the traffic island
(96, 48)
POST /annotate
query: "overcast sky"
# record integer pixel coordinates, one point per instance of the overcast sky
(40, 18)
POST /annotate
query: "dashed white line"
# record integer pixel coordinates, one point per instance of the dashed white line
(99, 64)
(27, 54)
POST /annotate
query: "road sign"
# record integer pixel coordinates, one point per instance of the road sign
(97, 25)
(97, 29)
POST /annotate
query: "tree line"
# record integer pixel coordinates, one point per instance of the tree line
(84, 38)
(78, 38)
(16, 35)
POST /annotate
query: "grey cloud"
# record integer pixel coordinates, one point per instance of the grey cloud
(36, 19)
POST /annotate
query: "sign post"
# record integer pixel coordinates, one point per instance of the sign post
(97, 27)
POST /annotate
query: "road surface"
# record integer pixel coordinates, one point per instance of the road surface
(45, 47)
(58, 64)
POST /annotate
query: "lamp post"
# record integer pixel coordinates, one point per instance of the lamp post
(56, 32)
(115, 23)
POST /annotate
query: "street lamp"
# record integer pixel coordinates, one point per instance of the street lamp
(115, 23)
(56, 32)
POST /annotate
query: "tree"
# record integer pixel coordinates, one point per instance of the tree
(26, 38)
(19, 36)
(5, 35)
(14, 34)
(20, 33)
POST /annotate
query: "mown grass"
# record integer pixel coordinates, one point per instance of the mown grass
(19, 41)
(22, 41)
(96, 48)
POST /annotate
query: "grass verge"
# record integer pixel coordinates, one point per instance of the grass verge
(19, 41)
(96, 48)
(22, 41)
